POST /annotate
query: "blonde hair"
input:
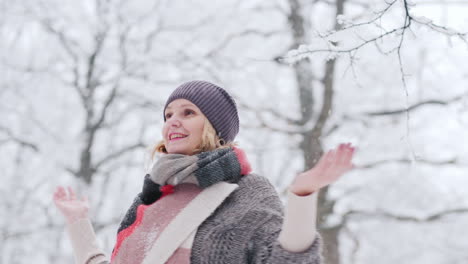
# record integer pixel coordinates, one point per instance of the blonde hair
(210, 141)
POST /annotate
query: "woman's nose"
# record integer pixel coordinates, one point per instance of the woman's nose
(174, 121)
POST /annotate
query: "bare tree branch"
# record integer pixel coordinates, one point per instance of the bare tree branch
(248, 32)
(17, 140)
(405, 218)
(262, 124)
(454, 161)
(445, 2)
(92, 82)
(356, 244)
(361, 117)
(109, 100)
(67, 44)
(271, 111)
(416, 106)
(117, 154)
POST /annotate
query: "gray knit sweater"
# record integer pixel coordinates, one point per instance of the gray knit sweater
(245, 229)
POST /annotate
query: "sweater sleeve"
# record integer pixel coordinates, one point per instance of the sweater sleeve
(266, 245)
(84, 243)
(299, 224)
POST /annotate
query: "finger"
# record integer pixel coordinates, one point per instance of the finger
(56, 195)
(342, 148)
(57, 190)
(71, 193)
(350, 154)
(60, 189)
(341, 163)
(59, 196)
(341, 154)
(345, 156)
(59, 193)
(348, 145)
(349, 158)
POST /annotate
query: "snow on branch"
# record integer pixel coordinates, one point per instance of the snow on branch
(441, 29)
(332, 43)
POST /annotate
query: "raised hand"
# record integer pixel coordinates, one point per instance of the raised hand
(69, 205)
(328, 169)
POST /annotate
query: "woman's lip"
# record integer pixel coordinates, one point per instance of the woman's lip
(174, 139)
(177, 138)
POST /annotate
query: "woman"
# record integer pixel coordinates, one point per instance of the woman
(201, 204)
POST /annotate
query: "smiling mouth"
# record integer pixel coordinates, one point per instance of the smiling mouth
(176, 136)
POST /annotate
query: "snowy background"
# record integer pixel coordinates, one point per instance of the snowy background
(83, 83)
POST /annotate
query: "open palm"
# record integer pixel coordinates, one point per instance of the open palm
(69, 205)
(328, 169)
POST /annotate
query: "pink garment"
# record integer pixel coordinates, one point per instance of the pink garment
(181, 256)
(156, 217)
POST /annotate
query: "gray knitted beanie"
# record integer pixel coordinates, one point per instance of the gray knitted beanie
(214, 102)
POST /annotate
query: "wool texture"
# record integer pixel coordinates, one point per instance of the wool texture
(204, 169)
(245, 230)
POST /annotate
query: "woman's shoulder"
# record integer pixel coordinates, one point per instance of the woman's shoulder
(255, 187)
(254, 193)
(255, 181)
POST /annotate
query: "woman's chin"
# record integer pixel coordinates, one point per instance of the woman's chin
(180, 150)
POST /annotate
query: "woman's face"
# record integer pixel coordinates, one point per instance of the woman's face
(183, 129)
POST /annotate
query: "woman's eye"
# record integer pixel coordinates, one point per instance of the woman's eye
(189, 112)
(168, 115)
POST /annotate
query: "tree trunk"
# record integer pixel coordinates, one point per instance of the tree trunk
(311, 145)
